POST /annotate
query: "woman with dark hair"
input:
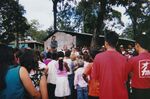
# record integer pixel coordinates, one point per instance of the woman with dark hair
(41, 64)
(30, 62)
(13, 79)
(62, 84)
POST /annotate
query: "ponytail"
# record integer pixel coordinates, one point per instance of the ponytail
(60, 62)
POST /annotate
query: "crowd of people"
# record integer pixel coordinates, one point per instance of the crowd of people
(77, 74)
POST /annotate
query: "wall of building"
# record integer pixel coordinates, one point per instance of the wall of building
(63, 39)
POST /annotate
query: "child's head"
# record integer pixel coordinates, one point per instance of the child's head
(80, 63)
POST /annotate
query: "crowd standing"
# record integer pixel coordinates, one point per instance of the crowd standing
(77, 73)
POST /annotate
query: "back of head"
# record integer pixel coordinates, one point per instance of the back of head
(112, 38)
(143, 40)
(87, 58)
(80, 63)
(38, 55)
(29, 60)
(60, 54)
(6, 55)
(6, 59)
(54, 56)
(93, 53)
(60, 60)
(68, 53)
(49, 55)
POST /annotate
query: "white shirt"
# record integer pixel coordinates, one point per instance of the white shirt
(41, 65)
(85, 64)
(78, 80)
(52, 72)
(69, 62)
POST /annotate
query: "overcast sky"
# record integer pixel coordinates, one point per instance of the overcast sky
(41, 10)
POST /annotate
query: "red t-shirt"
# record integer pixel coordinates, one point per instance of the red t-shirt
(109, 69)
(140, 68)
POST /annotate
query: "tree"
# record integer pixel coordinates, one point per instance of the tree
(55, 2)
(12, 21)
(36, 34)
(95, 13)
(61, 8)
(139, 12)
(128, 32)
(65, 15)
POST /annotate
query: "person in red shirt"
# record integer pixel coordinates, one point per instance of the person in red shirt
(139, 67)
(93, 91)
(109, 70)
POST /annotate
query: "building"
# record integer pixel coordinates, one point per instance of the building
(28, 44)
(74, 39)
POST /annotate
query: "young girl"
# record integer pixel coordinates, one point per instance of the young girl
(79, 83)
(62, 84)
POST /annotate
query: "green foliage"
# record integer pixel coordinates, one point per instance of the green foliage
(36, 34)
(87, 11)
(128, 32)
(139, 12)
(12, 21)
(65, 15)
(93, 16)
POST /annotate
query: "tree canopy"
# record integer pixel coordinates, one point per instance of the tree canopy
(35, 33)
(12, 21)
(96, 16)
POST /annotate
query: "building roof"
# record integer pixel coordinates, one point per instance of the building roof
(30, 41)
(85, 34)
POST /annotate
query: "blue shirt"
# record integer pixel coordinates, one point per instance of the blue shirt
(14, 87)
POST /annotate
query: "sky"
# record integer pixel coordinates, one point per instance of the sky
(41, 10)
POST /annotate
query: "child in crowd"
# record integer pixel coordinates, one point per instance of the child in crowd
(62, 84)
(79, 83)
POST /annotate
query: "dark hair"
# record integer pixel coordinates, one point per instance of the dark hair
(49, 55)
(6, 59)
(143, 41)
(38, 55)
(54, 56)
(29, 60)
(60, 54)
(112, 38)
(87, 57)
(60, 61)
(93, 53)
(68, 53)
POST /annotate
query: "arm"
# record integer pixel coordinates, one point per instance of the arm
(75, 80)
(66, 66)
(87, 72)
(95, 69)
(43, 87)
(24, 76)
